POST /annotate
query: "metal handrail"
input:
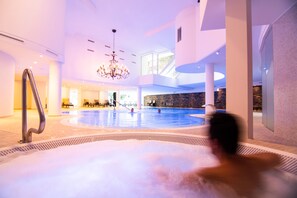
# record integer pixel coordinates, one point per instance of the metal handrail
(210, 105)
(122, 105)
(209, 115)
(27, 135)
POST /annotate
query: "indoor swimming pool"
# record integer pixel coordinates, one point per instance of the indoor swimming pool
(117, 167)
(150, 118)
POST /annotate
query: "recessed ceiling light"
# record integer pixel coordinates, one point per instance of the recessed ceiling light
(35, 62)
(217, 52)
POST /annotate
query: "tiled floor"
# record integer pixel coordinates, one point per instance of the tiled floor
(11, 130)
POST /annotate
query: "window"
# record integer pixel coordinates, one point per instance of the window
(73, 96)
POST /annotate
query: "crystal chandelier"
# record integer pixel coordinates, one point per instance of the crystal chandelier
(113, 70)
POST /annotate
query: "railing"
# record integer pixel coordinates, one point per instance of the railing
(123, 105)
(27, 135)
(213, 109)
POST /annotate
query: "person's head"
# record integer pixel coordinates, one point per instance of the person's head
(224, 132)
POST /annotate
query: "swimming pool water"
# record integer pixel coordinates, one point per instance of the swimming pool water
(145, 118)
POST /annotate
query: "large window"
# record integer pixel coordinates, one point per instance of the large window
(147, 64)
(164, 59)
(73, 96)
(157, 63)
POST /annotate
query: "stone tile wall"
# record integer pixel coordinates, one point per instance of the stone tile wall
(196, 100)
(285, 81)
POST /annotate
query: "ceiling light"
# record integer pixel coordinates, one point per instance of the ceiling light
(113, 70)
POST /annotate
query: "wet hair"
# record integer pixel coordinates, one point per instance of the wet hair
(225, 129)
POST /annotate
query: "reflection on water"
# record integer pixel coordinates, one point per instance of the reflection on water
(145, 118)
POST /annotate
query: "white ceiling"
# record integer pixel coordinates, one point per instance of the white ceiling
(143, 26)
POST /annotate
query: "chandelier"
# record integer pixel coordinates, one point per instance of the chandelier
(113, 70)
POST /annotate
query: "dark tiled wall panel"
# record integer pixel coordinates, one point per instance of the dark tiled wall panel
(196, 100)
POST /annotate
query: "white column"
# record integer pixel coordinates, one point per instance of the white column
(55, 89)
(239, 85)
(139, 99)
(209, 88)
(7, 73)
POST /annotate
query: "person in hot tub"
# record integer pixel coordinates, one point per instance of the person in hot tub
(240, 172)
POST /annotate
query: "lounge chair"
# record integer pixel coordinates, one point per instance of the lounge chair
(66, 103)
(86, 103)
(96, 103)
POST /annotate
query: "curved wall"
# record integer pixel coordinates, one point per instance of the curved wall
(278, 47)
(185, 49)
(195, 44)
(285, 72)
(7, 68)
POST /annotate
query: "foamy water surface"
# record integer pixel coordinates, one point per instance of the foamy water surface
(108, 169)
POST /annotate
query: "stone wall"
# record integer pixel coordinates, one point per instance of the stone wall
(285, 81)
(257, 98)
(196, 100)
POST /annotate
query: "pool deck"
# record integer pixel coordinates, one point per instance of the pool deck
(11, 130)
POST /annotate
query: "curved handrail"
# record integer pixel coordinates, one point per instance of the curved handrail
(213, 107)
(27, 135)
(122, 105)
(210, 105)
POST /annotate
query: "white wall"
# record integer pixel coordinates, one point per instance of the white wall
(65, 92)
(18, 94)
(103, 96)
(81, 64)
(40, 22)
(195, 44)
(185, 49)
(41, 88)
(89, 95)
(7, 70)
(154, 79)
(42, 91)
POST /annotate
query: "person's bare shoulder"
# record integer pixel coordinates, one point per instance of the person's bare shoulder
(212, 173)
(263, 161)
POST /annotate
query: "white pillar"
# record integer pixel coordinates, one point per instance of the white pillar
(139, 99)
(239, 85)
(209, 88)
(55, 89)
(7, 72)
